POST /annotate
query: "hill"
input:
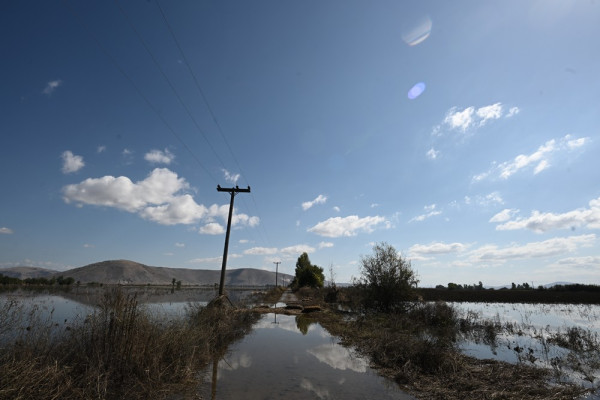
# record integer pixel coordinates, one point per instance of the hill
(130, 272)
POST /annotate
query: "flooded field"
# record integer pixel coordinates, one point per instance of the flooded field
(561, 337)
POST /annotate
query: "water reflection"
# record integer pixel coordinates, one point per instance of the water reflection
(293, 359)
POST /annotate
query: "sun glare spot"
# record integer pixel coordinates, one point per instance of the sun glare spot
(416, 90)
(418, 32)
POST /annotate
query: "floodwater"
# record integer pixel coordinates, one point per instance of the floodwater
(287, 357)
(527, 334)
(283, 357)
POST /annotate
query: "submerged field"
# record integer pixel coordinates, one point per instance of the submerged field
(159, 343)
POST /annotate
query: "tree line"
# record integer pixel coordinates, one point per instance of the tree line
(58, 280)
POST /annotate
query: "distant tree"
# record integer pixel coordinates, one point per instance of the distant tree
(513, 286)
(307, 274)
(387, 279)
(178, 285)
(454, 286)
(440, 287)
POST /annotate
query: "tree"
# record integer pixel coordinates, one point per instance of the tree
(307, 274)
(387, 279)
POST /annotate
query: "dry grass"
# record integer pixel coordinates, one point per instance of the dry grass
(118, 352)
(417, 349)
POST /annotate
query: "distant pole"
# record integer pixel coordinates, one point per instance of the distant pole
(276, 268)
(232, 192)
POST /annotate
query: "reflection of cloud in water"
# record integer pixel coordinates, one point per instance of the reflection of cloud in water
(284, 322)
(338, 357)
(242, 360)
(321, 393)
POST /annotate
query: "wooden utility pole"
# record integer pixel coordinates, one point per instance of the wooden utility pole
(276, 268)
(232, 192)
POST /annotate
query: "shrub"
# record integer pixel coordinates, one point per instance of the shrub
(387, 280)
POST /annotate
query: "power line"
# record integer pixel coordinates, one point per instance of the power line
(187, 109)
(210, 110)
(137, 89)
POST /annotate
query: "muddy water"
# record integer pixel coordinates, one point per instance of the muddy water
(286, 357)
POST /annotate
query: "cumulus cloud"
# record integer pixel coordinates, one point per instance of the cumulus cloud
(6, 231)
(512, 112)
(229, 177)
(324, 245)
(546, 248)
(544, 222)
(504, 215)
(51, 87)
(539, 160)
(71, 162)
(297, 250)
(436, 248)
(430, 211)
(320, 199)
(212, 228)
(432, 154)
(159, 157)
(159, 198)
(470, 118)
(347, 226)
(261, 251)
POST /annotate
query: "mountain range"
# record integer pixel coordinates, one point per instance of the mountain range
(133, 273)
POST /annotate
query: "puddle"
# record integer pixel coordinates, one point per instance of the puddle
(289, 357)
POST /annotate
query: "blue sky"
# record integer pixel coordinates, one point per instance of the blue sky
(465, 134)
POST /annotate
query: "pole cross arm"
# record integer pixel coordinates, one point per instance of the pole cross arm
(236, 189)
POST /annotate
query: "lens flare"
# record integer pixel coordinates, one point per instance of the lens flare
(416, 90)
(418, 32)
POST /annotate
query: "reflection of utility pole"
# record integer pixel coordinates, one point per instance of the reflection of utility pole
(232, 192)
(276, 268)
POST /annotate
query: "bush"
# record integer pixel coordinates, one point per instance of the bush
(387, 280)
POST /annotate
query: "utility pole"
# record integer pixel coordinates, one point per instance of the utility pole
(276, 268)
(232, 192)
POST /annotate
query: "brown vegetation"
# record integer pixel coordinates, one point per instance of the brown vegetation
(118, 352)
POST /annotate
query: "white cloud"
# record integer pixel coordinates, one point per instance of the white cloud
(179, 244)
(178, 210)
(101, 149)
(504, 215)
(539, 159)
(243, 241)
(297, 249)
(320, 199)
(546, 248)
(336, 209)
(157, 198)
(51, 86)
(159, 157)
(486, 113)
(459, 119)
(261, 251)
(6, 231)
(212, 228)
(436, 248)
(430, 211)
(512, 112)
(324, 245)
(88, 246)
(71, 162)
(432, 154)
(229, 177)
(346, 226)
(581, 262)
(543, 222)
(218, 260)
